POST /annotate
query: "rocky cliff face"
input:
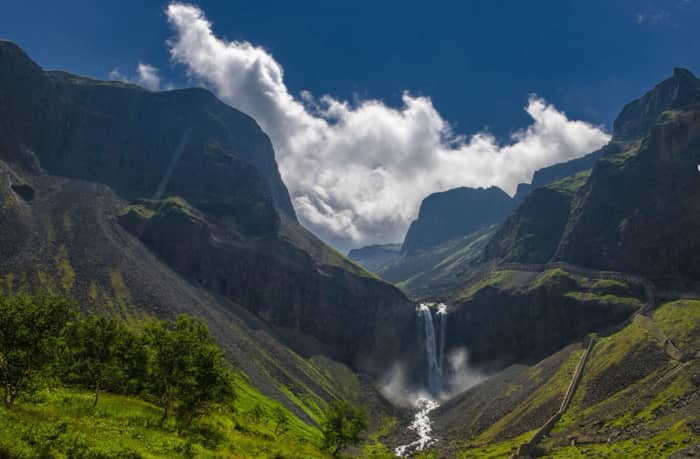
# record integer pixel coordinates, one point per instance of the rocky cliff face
(206, 197)
(140, 143)
(455, 213)
(532, 233)
(524, 316)
(636, 212)
(633, 211)
(280, 282)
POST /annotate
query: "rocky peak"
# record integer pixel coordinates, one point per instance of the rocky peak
(675, 93)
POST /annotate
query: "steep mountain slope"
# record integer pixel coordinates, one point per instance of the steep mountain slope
(209, 228)
(425, 273)
(633, 211)
(532, 233)
(518, 315)
(655, 184)
(635, 399)
(549, 174)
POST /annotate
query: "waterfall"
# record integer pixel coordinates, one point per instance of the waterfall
(422, 424)
(442, 312)
(434, 359)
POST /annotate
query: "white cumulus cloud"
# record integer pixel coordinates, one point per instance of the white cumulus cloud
(146, 76)
(357, 172)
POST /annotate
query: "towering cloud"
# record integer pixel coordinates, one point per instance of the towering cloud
(357, 172)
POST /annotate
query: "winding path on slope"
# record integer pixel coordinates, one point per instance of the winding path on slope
(526, 449)
(641, 316)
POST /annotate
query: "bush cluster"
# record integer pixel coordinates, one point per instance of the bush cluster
(175, 364)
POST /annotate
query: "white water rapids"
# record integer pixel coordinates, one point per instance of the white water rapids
(421, 423)
(422, 426)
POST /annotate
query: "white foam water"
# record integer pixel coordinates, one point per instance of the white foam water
(422, 426)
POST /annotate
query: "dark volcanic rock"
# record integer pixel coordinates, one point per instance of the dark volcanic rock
(636, 216)
(454, 213)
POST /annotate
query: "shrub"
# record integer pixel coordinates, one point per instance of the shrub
(343, 426)
(29, 329)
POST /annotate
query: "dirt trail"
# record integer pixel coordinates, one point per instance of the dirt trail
(669, 347)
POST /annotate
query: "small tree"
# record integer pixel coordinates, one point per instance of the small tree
(100, 353)
(343, 426)
(29, 328)
(188, 370)
(281, 420)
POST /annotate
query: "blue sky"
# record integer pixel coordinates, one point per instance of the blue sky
(478, 62)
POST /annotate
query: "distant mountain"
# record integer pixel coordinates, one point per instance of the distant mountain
(373, 257)
(454, 213)
(451, 229)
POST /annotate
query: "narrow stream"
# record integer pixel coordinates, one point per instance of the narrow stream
(422, 426)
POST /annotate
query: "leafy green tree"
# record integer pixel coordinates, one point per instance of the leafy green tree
(281, 420)
(29, 329)
(188, 372)
(102, 353)
(344, 425)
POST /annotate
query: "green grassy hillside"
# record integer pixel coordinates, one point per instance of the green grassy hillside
(634, 399)
(62, 423)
